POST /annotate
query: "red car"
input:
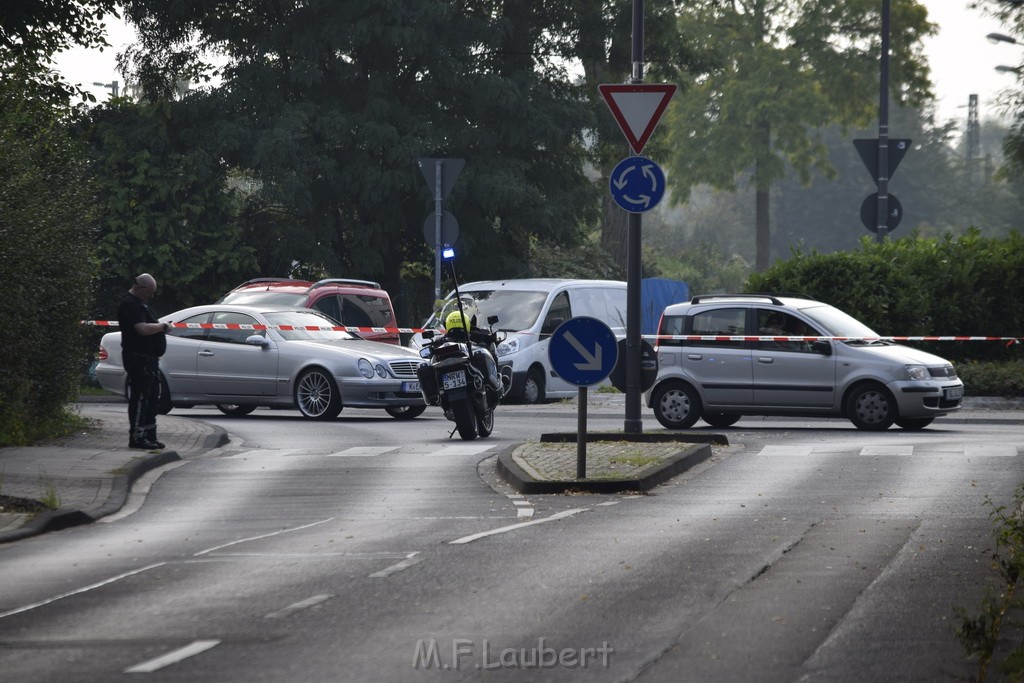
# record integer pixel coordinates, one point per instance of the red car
(355, 303)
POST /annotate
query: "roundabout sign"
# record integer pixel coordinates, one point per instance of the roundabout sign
(637, 184)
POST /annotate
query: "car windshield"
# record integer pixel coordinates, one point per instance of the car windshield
(263, 297)
(516, 310)
(306, 319)
(837, 323)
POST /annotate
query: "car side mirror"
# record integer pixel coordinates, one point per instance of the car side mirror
(821, 346)
(427, 334)
(492, 320)
(257, 340)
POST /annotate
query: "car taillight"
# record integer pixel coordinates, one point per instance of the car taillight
(102, 354)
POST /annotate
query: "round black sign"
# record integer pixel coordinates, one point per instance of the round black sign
(648, 367)
(869, 211)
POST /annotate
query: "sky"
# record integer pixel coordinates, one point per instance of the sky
(961, 58)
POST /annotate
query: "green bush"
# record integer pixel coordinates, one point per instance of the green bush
(992, 378)
(46, 266)
(969, 286)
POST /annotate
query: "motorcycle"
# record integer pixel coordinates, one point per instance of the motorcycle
(461, 375)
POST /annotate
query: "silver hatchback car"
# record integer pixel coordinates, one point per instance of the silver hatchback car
(872, 383)
(219, 358)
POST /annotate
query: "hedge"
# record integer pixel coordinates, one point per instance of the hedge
(967, 286)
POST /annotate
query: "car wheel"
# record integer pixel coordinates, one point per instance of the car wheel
(316, 395)
(676, 405)
(533, 388)
(871, 407)
(405, 412)
(235, 410)
(914, 422)
(721, 419)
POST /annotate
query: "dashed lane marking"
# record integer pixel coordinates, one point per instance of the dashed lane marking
(262, 453)
(83, 589)
(173, 657)
(461, 449)
(261, 536)
(362, 451)
(524, 508)
(514, 527)
(895, 450)
(401, 566)
(298, 606)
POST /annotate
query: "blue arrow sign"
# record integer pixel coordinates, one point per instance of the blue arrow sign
(583, 351)
(637, 184)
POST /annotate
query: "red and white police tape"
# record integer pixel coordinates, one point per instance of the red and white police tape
(659, 337)
(286, 328)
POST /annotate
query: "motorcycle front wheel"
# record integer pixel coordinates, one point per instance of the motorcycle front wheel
(465, 419)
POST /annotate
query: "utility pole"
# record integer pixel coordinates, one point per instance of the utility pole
(633, 423)
(883, 129)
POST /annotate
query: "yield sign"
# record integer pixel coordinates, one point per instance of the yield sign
(637, 109)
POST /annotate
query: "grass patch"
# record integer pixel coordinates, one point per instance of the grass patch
(634, 460)
(50, 498)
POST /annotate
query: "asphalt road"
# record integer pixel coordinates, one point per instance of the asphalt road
(373, 549)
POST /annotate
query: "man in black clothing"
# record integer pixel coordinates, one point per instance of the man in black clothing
(143, 341)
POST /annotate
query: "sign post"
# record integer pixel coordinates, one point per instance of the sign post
(637, 108)
(582, 351)
(440, 175)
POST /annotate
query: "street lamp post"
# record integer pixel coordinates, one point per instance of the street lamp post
(113, 85)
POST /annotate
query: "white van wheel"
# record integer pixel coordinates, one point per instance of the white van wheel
(533, 388)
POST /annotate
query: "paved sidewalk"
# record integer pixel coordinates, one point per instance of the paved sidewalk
(89, 474)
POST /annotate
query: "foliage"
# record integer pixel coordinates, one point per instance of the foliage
(326, 105)
(980, 635)
(167, 206)
(968, 286)
(992, 378)
(46, 264)
(32, 31)
(704, 267)
(785, 68)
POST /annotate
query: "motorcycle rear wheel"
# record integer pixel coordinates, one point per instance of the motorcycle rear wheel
(465, 419)
(485, 422)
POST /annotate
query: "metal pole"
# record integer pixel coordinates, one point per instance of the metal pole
(882, 219)
(437, 229)
(633, 424)
(581, 433)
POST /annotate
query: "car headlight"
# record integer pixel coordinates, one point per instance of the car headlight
(917, 372)
(508, 346)
(381, 370)
(365, 368)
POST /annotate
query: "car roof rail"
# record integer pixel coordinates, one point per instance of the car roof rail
(263, 280)
(771, 296)
(344, 281)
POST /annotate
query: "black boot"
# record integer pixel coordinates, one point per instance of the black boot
(151, 438)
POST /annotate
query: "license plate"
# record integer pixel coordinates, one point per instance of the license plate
(954, 393)
(453, 380)
(410, 387)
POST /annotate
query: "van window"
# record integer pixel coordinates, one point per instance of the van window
(558, 313)
(516, 309)
(328, 305)
(721, 321)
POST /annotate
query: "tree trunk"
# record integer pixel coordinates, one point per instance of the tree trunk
(762, 215)
(614, 229)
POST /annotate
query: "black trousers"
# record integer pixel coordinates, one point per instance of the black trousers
(143, 395)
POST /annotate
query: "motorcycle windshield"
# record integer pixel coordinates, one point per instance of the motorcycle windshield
(516, 310)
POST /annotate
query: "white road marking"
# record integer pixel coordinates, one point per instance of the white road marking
(991, 451)
(256, 538)
(362, 451)
(887, 450)
(409, 561)
(786, 450)
(90, 587)
(524, 508)
(513, 527)
(262, 453)
(461, 449)
(174, 657)
(301, 605)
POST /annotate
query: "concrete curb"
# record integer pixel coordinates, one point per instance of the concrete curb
(524, 483)
(644, 437)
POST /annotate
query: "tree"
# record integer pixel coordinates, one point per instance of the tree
(327, 104)
(32, 31)
(784, 69)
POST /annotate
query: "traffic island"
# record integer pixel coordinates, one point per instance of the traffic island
(616, 461)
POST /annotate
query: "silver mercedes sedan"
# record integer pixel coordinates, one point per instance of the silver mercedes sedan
(239, 358)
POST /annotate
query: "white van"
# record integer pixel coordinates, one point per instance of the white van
(528, 311)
